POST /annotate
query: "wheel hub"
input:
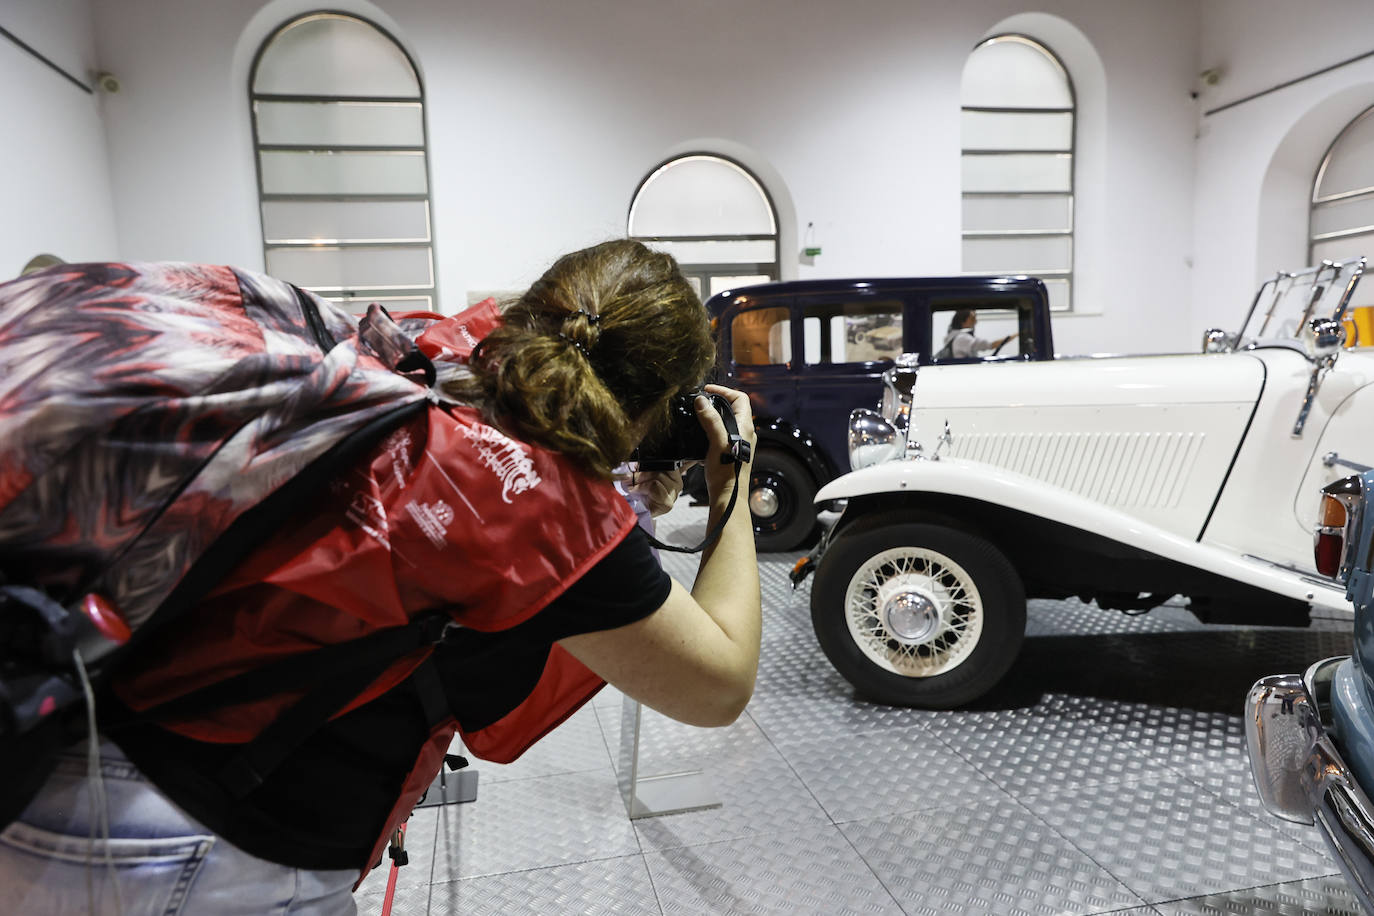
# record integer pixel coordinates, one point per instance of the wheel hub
(763, 502)
(911, 616)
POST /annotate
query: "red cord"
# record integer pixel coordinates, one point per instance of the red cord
(391, 880)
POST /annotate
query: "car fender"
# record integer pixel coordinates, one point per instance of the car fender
(801, 444)
(1035, 498)
(771, 431)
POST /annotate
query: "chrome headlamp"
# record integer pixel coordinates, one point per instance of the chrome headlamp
(878, 436)
(872, 439)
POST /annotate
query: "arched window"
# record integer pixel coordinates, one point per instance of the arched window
(1341, 224)
(343, 179)
(711, 214)
(1018, 150)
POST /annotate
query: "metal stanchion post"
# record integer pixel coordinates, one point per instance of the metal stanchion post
(652, 795)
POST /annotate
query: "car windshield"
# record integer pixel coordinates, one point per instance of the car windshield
(1286, 302)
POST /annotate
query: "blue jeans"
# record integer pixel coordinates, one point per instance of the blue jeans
(160, 862)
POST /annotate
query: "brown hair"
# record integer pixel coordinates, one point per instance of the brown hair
(587, 360)
(961, 317)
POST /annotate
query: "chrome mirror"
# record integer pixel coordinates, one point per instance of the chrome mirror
(1323, 337)
(1215, 340)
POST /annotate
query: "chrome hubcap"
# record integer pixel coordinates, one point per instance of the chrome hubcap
(911, 617)
(763, 502)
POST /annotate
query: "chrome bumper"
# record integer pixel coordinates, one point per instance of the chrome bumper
(1299, 772)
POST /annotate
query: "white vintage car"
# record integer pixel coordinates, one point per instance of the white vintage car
(1121, 480)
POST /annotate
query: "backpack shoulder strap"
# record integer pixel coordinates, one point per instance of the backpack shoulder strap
(352, 666)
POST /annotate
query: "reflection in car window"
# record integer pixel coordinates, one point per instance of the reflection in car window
(994, 319)
(761, 337)
(852, 332)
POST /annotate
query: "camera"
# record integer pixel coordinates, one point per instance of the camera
(684, 438)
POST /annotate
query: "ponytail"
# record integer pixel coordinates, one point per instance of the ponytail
(589, 357)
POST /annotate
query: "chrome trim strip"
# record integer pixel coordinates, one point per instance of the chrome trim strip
(1331, 459)
(1307, 575)
(1345, 824)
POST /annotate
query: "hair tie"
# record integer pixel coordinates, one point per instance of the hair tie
(575, 343)
(592, 317)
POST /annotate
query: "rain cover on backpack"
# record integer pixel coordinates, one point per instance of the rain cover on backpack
(145, 407)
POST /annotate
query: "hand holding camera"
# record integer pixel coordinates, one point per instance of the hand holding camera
(656, 490)
(714, 420)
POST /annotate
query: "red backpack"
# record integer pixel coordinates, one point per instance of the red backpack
(156, 422)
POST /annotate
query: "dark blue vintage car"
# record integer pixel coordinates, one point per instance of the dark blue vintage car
(810, 351)
(1311, 736)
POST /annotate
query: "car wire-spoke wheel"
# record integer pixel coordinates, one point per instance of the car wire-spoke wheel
(917, 613)
(914, 611)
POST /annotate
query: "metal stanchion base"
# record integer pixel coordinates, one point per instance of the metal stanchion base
(451, 788)
(671, 793)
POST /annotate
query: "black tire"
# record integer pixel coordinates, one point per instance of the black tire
(694, 485)
(780, 483)
(963, 666)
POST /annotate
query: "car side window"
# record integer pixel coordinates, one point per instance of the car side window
(852, 332)
(964, 327)
(761, 337)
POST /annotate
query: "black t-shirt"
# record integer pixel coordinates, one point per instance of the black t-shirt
(326, 805)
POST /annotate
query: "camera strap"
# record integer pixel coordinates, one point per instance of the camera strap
(719, 526)
(738, 453)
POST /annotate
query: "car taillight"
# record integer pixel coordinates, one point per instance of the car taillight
(1333, 513)
(1329, 544)
(1329, 548)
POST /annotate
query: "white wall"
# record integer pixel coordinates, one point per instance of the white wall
(544, 116)
(1256, 160)
(54, 181)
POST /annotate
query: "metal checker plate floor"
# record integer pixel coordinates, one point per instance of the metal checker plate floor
(1106, 774)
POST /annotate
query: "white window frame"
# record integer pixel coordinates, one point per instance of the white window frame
(1320, 201)
(704, 272)
(356, 296)
(1064, 274)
